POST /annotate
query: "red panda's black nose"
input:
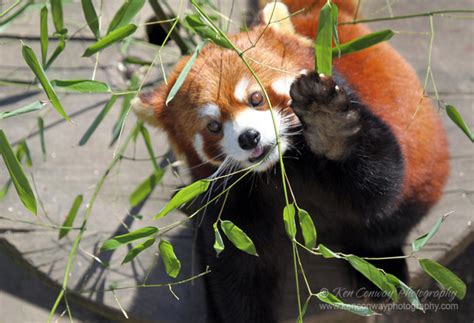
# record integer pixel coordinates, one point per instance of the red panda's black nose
(249, 139)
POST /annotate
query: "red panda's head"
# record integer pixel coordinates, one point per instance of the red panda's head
(220, 115)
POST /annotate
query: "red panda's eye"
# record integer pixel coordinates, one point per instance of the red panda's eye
(256, 99)
(214, 126)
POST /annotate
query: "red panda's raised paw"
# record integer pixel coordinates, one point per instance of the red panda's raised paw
(324, 109)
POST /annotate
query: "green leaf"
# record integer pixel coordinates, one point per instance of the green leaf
(331, 299)
(184, 195)
(69, 221)
(363, 42)
(135, 251)
(307, 228)
(17, 175)
(113, 37)
(120, 240)
(29, 108)
(407, 291)
(125, 14)
(218, 243)
(335, 14)
(91, 17)
(24, 151)
(326, 252)
(58, 50)
(146, 187)
(456, 117)
(172, 264)
(97, 121)
(202, 25)
(84, 86)
(289, 220)
(44, 34)
(238, 237)
(124, 110)
(303, 310)
(41, 135)
(5, 189)
(373, 274)
(420, 242)
(184, 73)
(149, 147)
(36, 68)
(57, 12)
(323, 44)
(136, 61)
(445, 277)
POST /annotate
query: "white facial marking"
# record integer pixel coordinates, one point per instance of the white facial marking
(282, 86)
(260, 121)
(240, 92)
(210, 110)
(198, 144)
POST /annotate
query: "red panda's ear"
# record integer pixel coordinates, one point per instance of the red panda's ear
(277, 16)
(148, 107)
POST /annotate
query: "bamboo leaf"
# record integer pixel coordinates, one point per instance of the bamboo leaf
(331, 299)
(456, 117)
(136, 61)
(323, 44)
(69, 221)
(17, 175)
(218, 243)
(84, 86)
(149, 147)
(124, 110)
(37, 105)
(125, 14)
(120, 240)
(184, 73)
(407, 291)
(5, 189)
(36, 68)
(289, 220)
(44, 34)
(91, 17)
(420, 242)
(238, 237)
(146, 187)
(307, 228)
(24, 151)
(111, 38)
(172, 264)
(444, 276)
(373, 274)
(58, 50)
(41, 134)
(184, 195)
(135, 251)
(97, 121)
(326, 252)
(202, 25)
(363, 42)
(57, 12)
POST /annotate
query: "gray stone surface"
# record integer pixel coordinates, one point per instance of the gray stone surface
(70, 170)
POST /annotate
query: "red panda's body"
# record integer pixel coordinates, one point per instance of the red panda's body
(364, 155)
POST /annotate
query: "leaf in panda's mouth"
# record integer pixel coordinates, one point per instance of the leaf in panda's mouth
(259, 153)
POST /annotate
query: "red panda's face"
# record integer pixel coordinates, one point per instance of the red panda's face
(220, 115)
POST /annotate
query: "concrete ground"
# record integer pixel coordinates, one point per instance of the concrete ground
(32, 259)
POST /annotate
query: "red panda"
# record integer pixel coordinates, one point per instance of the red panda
(366, 156)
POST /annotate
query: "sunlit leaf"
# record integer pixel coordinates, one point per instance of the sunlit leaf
(113, 37)
(326, 252)
(307, 228)
(329, 298)
(41, 136)
(456, 117)
(146, 187)
(202, 25)
(407, 291)
(97, 121)
(91, 17)
(71, 216)
(238, 237)
(184, 195)
(58, 50)
(444, 276)
(363, 42)
(323, 44)
(17, 175)
(218, 243)
(36, 68)
(24, 151)
(420, 242)
(4, 190)
(44, 34)
(125, 14)
(84, 86)
(172, 264)
(289, 220)
(123, 239)
(29, 108)
(149, 147)
(136, 61)
(184, 73)
(57, 12)
(135, 251)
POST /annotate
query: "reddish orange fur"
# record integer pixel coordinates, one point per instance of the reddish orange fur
(395, 99)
